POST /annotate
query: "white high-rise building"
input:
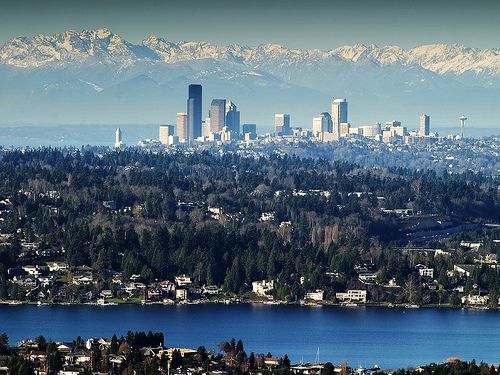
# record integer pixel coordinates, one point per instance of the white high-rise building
(165, 132)
(339, 114)
(182, 127)
(322, 124)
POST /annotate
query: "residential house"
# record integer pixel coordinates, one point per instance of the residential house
(464, 269)
(183, 280)
(352, 296)
(58, 266)
(262, 287)
(367, 277)
(475, 300)
(106, 293)
(71, 371)
(271, 362)
(32, 270)
(65, 347)
(425, 271)
(317, 295)
(210, 289)
(308, 369)
(167, 286)
(83, 279)
(181, 294)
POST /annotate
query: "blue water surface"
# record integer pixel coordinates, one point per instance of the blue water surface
(363, 336)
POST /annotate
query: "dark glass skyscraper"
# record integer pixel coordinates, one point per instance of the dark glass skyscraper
(194, 112)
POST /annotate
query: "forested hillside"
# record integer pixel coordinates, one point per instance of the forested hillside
(228, 220)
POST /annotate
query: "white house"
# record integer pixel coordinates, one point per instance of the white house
(352, 296)
(475, 300)
(317, 295)
(183, 280)
(261, 287)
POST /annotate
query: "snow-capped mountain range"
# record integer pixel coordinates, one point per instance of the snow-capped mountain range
(97, 76)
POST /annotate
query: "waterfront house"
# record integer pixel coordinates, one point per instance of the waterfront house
(71, 371)
(317, 295)
(475, 300)
(262, 287)
(308, 369)
(210, 289)
(167, 286)
(106, 293)
(181, 294)
(352, 296)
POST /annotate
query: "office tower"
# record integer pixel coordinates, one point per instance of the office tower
(205, 127)
(339, 114)
(317, 125)
(344, 129)
(425, 124)
(232, 117)
(217, 115)
(249, 128)
(323, 123)
(182, 127)
(193, 113)
(282, 124)
(165, 132)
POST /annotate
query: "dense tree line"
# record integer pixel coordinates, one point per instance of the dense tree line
(327, 217)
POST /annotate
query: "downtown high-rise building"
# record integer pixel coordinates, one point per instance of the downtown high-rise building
(425, 125)
(165, 131)
(339, 114)
(182, 127)
(194, 109)
(232, 118)
(323, 123)
(282, 124)
(217, 115)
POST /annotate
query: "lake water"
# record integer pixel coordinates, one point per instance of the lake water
(364, 336)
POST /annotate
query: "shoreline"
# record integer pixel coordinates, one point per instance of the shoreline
(115, 302)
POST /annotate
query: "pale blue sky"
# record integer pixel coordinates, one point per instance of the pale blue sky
(307, 24)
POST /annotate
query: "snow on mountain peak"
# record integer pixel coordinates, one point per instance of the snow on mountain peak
(77, 47)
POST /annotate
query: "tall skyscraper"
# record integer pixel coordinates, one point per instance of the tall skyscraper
(232, 117)
(323, 123)
(194, 112)
(182, 127)
(425, 125)
(339, 114)
(217, 115)
(165, 132)
(282, 124)
(205, 127)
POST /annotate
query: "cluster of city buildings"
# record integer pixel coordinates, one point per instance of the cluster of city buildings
(223, 124)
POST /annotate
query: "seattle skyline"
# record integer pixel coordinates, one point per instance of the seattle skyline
(317, 24)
